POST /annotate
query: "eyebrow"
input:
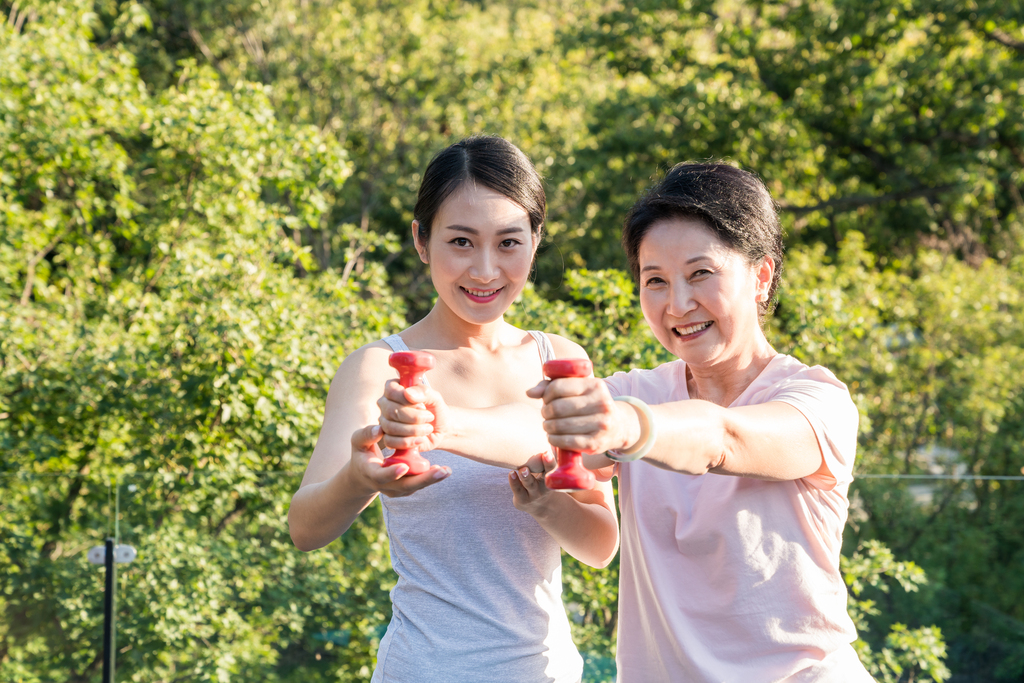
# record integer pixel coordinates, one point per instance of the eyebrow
(474, 231)
(688, 262)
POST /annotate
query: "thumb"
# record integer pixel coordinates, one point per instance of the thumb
(538, 391)
(364, 439)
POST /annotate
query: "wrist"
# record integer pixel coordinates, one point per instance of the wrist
(631, 430)
(648, 432)
(545, 508)
(356, 483)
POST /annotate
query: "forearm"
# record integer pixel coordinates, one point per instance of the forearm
(587, 531)
(508, 436)
(771, 441)
(692, 436)
(323, 511)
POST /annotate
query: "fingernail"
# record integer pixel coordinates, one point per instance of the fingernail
(376, 430)
(523, 472)
(441, 473)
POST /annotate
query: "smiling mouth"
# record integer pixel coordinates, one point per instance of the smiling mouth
(481, 294)
(691, 329)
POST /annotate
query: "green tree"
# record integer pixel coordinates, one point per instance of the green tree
(155, 336)
(907, 652)
(203, 208)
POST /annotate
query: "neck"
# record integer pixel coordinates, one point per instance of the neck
(442, 329)
(723, 381)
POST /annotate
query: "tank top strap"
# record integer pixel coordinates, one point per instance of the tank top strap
(396, 343)
(547, 352)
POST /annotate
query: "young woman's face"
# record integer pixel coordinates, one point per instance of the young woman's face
(698, 295)
(480, 252)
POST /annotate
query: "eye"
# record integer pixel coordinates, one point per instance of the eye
(653, 281)
(460, 242)
(700, 273)
(509, 243)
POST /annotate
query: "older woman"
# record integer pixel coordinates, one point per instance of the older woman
(733, 482)
(733, 461)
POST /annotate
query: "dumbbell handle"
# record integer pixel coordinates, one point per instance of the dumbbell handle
(410, 365)
(570, 474)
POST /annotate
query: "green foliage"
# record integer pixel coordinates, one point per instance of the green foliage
(602, 314)
(204, 206)
(907, 652)
(930, 348)
(155, 325)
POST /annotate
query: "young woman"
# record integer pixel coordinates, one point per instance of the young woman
(733, 480)
(477, 551)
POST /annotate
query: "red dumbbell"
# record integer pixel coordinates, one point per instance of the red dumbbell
(410, 365)
(570, 474)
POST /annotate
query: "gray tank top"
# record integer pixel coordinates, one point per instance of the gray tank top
(479, 592)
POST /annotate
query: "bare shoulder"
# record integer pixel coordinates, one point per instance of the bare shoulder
(565, 348)
(368, 363)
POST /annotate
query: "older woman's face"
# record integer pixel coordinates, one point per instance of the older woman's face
(698, 295)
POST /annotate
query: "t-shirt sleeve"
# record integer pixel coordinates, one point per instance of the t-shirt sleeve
(826, 403)
(618, 384)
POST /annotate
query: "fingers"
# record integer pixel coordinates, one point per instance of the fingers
(541, 462)
(420, 443)
(606, 473)
(577, 397)
(398, 428)
(402, 486)
(579, 414)
(572, 386)
(548, 460)
(405, 424)
(581, 443)
(401, 411)
(395, 392)
(529, 483)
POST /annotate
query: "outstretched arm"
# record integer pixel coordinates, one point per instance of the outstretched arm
(508, 436)
(772, 441)
(346, 472)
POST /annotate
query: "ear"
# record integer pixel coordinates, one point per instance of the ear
(421, 248)
(763, 276)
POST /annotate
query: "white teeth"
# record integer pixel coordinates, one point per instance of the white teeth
(481, 292)
(683, 331)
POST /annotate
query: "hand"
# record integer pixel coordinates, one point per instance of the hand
(580, 415)
(529, 493)
(413, 417)
(368, 471)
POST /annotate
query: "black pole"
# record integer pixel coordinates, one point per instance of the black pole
(108, 614)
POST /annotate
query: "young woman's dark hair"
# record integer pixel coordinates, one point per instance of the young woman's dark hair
(734, 204)
(489, 160)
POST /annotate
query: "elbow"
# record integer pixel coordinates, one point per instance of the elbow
(299, 539)
(602, 563)
(304, 541)
(301, 542)
(601, 557)
(300, 533)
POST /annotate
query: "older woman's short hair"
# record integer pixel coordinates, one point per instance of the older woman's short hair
(734, 205)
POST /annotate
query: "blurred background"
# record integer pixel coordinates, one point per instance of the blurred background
(205, 205)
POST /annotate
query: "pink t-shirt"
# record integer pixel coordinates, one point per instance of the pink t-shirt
(733, 579)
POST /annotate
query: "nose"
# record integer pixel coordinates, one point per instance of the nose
(484, 268)
(681, 299)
